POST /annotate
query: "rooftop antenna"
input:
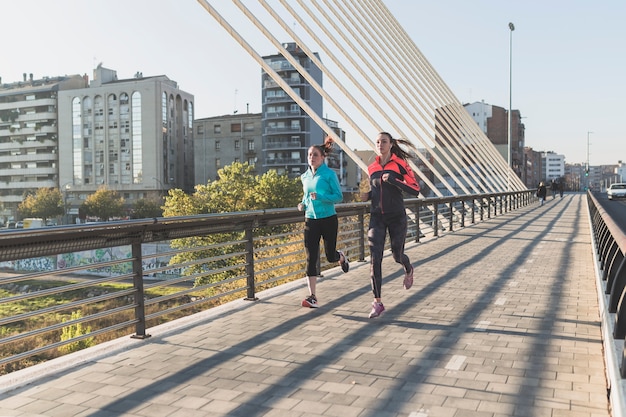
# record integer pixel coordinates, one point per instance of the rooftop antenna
(235, 106)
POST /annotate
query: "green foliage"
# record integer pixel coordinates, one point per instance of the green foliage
(145, 209)
(45, 204)
(104, 204)
(75, 330)
(237, 189)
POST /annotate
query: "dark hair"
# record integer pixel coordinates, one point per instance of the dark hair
(326, 147)
(395, 146)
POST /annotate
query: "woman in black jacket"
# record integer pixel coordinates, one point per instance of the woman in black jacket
(390, 176)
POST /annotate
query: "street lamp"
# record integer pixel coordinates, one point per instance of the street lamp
(508, 142)
(511, 29)
(65, 188)
(587, 168)
(160, 184)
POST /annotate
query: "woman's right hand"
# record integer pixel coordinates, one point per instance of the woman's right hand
(300, 206)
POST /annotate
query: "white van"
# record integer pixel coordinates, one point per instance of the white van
(33, 222)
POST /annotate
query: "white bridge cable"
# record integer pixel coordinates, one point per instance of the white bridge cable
(451, 152)
(389, 75)
(466, 121)
(473, 150)
(434, 80)
(340, 85)
(372, 66)
(278, 79)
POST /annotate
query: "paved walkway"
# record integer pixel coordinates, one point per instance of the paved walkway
(503, 320)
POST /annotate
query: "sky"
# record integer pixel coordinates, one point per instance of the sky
(567, 76)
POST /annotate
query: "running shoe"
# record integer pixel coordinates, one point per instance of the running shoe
(408, 279)
(345, 264)
(310, 302)
(377, 310)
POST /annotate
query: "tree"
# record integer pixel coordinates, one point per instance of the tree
(237, 189)
(45, 204)
(104, 204)
(145, 209)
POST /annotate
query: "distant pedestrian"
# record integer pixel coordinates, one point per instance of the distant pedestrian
(561, 188)
(389, 176)
(554, 188)
(541, 193)
(321, 191)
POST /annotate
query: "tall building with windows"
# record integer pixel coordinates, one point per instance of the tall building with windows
(219, 141)
(494, 122)
(287, 130)
(29, 137)
(553, 166)
(133, 135)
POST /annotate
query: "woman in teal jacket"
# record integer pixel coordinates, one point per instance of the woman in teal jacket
(321, 192)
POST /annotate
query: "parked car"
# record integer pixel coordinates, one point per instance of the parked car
(19, 225)
(617, 190)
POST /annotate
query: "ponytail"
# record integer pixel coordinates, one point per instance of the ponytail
(395, 146)
(327, 147)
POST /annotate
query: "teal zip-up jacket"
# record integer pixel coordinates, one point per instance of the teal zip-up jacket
(326, 184)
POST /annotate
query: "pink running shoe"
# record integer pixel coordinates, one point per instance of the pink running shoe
(408, 279)
(377, 310)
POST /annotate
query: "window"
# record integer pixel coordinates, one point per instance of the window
(251, 161)
(217, 128)
(248, 127)
(237, 144)
(217, 145)
(235, 127)
(200, 130)
(251, 145)
(218, 163)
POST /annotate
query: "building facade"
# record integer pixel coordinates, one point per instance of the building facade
(494, 122)
(553, 165)
(287, 130)
(219, 141)
(29, 137)
(134, 136)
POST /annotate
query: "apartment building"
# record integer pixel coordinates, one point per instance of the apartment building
(29, 137)
(221, 140)
(288, 131)
(494, 122)
(132, 135)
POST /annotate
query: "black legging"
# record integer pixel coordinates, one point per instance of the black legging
(314, 229)
(397, 227)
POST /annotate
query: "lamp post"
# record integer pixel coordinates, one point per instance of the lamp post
(511, 29)
(65, 188)
(587, 169)
(160, 184)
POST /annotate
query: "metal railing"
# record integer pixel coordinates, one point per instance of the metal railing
(66, 287)
(610, 246)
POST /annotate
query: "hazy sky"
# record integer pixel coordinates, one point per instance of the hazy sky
(569, 57)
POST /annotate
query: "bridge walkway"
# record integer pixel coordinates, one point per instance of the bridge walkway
(503, 320)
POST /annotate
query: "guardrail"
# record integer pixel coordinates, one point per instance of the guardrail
(64, 288)
(610, 246)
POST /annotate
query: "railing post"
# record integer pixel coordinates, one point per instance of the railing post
(473, 210)
(251, 293)
(362, 235)
(462, 213)
(436, 219)
(418, 230)
(451, 215)
(139, 294)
